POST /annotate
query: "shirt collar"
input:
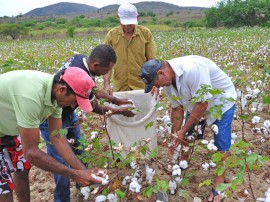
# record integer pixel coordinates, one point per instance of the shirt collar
(88, 69)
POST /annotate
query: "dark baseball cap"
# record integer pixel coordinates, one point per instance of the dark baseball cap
(149, 72)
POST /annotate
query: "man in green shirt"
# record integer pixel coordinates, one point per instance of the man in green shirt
(134, 45)
(28, 98)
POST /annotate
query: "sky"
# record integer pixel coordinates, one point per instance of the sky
(15, 7)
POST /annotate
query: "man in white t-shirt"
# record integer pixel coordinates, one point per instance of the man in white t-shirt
(191, 83)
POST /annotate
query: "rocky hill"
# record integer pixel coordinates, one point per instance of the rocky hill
(65, 8)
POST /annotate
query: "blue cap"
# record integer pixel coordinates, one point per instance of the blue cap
(149, 72)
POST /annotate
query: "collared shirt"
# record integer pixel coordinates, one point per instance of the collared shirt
(190, 73)
(25, 100)
(131, 55)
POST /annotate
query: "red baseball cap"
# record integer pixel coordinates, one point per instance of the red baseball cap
(82, 84)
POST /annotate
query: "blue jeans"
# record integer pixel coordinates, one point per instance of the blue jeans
(62, 188)
(202, 123)
(223, 138)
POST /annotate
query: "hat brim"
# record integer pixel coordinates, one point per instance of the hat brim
(129, 21)
(148, 87)
(84, 104)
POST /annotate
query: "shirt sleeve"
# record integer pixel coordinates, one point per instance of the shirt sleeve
(197, 77)
(150, 47)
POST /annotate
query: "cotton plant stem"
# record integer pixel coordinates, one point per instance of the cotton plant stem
(249, 179)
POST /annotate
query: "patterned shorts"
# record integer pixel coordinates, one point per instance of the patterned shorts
(11, 160)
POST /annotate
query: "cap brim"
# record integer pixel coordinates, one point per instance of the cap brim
(84, 104)
(129, 21)
(148, 87)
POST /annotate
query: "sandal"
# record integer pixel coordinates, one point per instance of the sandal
(215, 194)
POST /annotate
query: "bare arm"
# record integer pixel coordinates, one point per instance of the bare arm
(107, 86)
(101, 109)
(110, 98)
(30, 140)
(177, 116)
(61, 145)
(194, 118)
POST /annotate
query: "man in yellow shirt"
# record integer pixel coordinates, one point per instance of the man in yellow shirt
(134, 45)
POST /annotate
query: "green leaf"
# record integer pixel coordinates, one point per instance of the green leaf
(183, 193)
(176, 98)
(220, 171)
(266, 99)
(263, 159)
(217, 157)
(205, 182)
(222, 186)
(105, 191)
(149, 125)
(216, 111)
(243, 145)
(154, 153)
(148, 192)
(252, 158)
(216, 91)
(120, 194)
(184, 182)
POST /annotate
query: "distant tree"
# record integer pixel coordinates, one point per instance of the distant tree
(236, 13)
(13, 30)
(70, 31)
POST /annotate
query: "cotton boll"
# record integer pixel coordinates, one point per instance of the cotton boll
(214, 128)
(190, 137)
(112, 197)
(255, 119)
(124, 182)
(101, 198)
(175, 167)
(172, 186)
(134, 186)
(150, 172)
(267, 193)
(205, 142)
(264, 130)
(255, 92)
(232, 141)
(205, 166)
(93, 135)
(253, 109)
(266, 124)
(85, 192)
(183, 164)
(176, 172)
(234, 136)
(133, 165)
(178, 179)
(212, 164)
